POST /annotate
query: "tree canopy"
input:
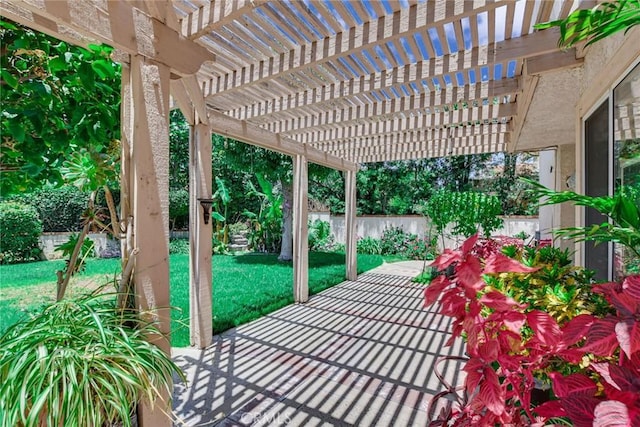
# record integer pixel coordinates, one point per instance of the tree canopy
(58, 101)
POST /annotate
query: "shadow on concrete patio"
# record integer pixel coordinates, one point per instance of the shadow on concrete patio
(359, 354)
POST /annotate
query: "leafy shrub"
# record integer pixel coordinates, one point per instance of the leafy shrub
(369, 246)
(396, 242)
(20, 229)
(179, 246)
(517, 336)
(178, 208)
(320, 237)
(60, 208)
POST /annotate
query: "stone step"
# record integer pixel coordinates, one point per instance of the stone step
(239, 241)
(238, 248)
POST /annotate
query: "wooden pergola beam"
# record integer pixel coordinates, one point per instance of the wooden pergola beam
(416, 135)
(255, 135)
(214, 15)
(437, 151)
(329, 119)
(403, 23)
(117, 23)
(302, 103)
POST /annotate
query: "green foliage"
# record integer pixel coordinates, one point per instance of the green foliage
(395, 241)
(179, 246)
(557, 287)
(623, 210)
(320, 237)
(86, 251)
(266, 224)
(80, 362)
(178, 208)
(466, 211)
(178, 150)
(20, 229)
(57, 100)
(59, 208)
(591, 25)
(369, 246)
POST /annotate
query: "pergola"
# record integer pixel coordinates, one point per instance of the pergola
(337, 83)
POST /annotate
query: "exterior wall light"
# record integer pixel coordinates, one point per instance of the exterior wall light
(206, 209)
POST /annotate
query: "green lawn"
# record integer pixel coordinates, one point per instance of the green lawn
(245, 286)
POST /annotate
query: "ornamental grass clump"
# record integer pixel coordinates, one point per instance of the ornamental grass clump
(81, 362)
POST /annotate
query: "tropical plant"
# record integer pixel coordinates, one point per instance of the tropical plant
(81, 362)
(622, 209)
(221, 199)
(266, 224)
(610, 394)
(178, 207)
(591, 25)
(556, 287)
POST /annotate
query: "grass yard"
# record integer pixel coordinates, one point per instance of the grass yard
(245, 286)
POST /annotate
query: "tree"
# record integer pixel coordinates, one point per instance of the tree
(57, 99)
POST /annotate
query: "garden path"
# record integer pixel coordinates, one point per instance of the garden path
(359, 354)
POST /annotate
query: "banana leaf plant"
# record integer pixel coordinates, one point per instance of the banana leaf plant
(221, 198)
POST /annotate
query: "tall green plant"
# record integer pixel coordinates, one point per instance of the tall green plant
(591, 25)
(465, 211)
(267, 222)
(623, 211)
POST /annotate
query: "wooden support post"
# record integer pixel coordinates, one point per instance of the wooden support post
(150, 207)
(200, 280)
(350, 224)
(300, 229)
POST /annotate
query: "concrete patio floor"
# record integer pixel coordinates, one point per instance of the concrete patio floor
(358, 354)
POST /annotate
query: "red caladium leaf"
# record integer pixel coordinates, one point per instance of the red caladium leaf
(446, 258)
(488, 351)
(571, 355)
(473, 368)
(631, 285)
(576, 329)
(580, 409)
(500, 263)
(514, 321)
(626, 304)
(469, 274)
(611, 413)
(452, 304)
(469, 244)
(601, 338)
(545, 328)
(550, 409)
(628, 335)
(435, 288)
(499, 301)
(625, 379)
(491, 393)
(572, 385)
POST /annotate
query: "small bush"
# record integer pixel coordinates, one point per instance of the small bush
(20, 228)
(179, 246)
(396, 242)
(320, 237)
(369, 246)
(60, 208)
